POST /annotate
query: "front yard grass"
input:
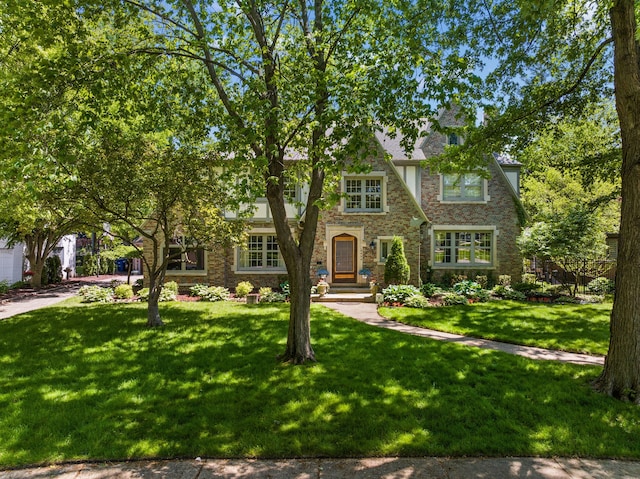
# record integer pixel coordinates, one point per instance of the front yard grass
(91, 382)
(566, 327)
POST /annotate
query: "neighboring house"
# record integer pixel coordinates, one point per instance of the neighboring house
(13, 262)
(449, 224)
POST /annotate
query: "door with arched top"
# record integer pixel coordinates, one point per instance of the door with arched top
(344, 258)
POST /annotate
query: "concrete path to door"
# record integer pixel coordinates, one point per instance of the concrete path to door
(368, 313)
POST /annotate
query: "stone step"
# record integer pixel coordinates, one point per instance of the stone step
(333, 297)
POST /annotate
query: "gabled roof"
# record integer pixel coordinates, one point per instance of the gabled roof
(504, 159)
(393, 145)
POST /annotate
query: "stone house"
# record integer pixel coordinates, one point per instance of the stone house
(450, 224)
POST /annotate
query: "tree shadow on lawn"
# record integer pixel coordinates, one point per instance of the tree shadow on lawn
(94, 383)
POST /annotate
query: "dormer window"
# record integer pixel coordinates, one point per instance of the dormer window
(453, 139)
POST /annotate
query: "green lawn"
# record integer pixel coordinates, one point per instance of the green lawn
(566, 327)
(82, 382)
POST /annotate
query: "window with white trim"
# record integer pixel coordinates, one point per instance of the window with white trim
(463, 248)
(184, 255)
(452, 139)
(465, 187)
(261, 254)
(363, 194)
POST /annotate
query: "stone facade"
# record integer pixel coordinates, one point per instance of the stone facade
(412, 208)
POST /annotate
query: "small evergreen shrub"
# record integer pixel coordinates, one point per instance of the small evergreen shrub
(452, 299)
(123, 291)
(4, 286)
(417, 301)
(243, 289)
(525, 287)
(399, 293)
(95, 294)
(601, 286)
(52, 271)
(396, 268)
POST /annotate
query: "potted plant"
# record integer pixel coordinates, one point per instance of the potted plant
(322, 287)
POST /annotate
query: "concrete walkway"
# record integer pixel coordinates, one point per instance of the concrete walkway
(365, 468)
(330, 468)
(368, 313)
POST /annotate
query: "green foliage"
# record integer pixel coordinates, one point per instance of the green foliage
(52, 271)
(264, 290)
(123, 291)
(396, 268)
(428, 289)
(243, 289)
(482, 280)
(451, 299)
(601, 286)
(96, 294)
(467, 288)
(4, 286)
(399, 293)
(210, 293)
(169, 293)
(529, 278)
(273, 297)
(507, 292)
(504, 280)
(526, 287)
(416, 301)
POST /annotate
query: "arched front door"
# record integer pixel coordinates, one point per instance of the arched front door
(344, 258)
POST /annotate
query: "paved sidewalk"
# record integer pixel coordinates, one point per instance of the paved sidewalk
(368, 313)
(365, 468)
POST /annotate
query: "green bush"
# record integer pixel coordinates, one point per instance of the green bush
(52, 271)
(169, 293)
(123, 291)
(243, 289)
(525, 287)
(504, 280)
(215, 293)
(4, 286)
(399, 293)
(528, 278)
(272, 297)
(417, 301)
(428, 289)
(601, 286)
(396, 268)
(198, 290)
(451, 299)
(265, 290)
(95, 294)
(482, 280)
(507, 292)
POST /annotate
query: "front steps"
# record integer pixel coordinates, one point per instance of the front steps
(345, 294)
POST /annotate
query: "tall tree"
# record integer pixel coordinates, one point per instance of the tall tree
(554, 59)
(309, 79)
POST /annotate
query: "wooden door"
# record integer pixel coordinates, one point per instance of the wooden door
(344, 258)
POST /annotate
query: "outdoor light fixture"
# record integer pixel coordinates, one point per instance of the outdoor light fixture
(372, 245)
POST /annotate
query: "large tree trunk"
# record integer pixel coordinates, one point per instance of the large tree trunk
(299, 348)
(621, 375)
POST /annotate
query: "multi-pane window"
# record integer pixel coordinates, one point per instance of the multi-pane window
(262, 253)
(467, 187)
(463, 248)
(184, 256)
(384, 248)
(363, 194)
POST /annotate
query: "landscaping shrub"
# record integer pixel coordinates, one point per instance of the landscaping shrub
(451, 299)
(525, 287)
(396, 268)
(243, 289)
(504, 280)
(399, 293)
(52, 271)
(528, 278)
(417, 301)
(272, 297)
(601, 286)
(95, 294)
(210, 293)
(482, 280)
(4, 286)
(123, 291)
(169, 293)
(506, 292)
(264, 290)
(428, 289)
